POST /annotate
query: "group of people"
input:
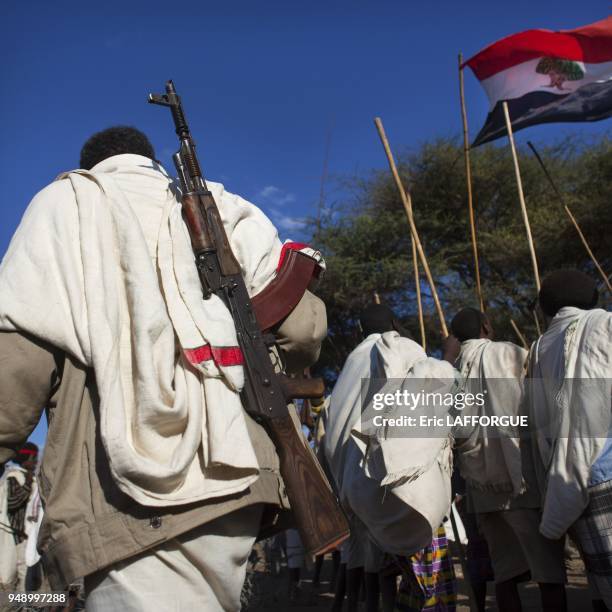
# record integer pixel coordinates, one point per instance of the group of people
(155, 483)
(524, 492)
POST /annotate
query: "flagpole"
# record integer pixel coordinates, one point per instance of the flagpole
(517, 331)
(519, 185)
(407, 202)
(571, 216)
(417, 283)
(468, 176)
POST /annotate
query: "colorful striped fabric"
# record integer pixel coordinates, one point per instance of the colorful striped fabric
(428, 579)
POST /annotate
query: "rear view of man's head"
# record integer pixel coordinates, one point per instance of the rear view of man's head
(567, 288)
(470, 324)
(114, 141)
(377, 319)
(27, 456)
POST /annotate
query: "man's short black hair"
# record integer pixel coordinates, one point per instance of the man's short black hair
(567, 288)
(114, 141)
(377, 319)
(27, 452)
(467, 324)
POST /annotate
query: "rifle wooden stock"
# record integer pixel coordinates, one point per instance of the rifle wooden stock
(322, 526)
(302, 388)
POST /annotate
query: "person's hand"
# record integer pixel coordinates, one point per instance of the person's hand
(450, 348)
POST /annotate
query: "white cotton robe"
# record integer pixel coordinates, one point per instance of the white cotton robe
(101, 266)
(569, 399)
(399, 488)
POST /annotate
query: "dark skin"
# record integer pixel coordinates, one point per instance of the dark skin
(30, 467)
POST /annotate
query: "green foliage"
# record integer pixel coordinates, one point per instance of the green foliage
(569, 70)
(367, 247)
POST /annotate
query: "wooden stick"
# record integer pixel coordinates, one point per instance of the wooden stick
(407, 202)
(588, 249)
(417, 282)
(604, 276)
(468, 177)
(537, 321)
(517, 331)
(519, 185)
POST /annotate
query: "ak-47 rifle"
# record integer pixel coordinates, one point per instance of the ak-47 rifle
(319, 518)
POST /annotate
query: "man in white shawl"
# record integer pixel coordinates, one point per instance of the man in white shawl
(154, 480)
(397, 489)
(501, 487)
(570, 390)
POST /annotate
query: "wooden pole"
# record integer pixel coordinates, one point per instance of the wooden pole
(417, 283)
(519, 185)
(517, 331)
(407, 202)
(537, 321)
(468, 177)
(604, 276)
(376, 298)
(588, 249)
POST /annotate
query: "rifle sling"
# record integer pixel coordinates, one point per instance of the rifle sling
(282, 295)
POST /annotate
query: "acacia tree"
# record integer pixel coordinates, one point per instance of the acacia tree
(559, 71)
(367, 246)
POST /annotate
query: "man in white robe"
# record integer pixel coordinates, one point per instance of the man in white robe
(569, 392)
(501, 486)
(397, 489)
(154, 479)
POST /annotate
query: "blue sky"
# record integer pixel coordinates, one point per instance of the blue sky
(263, 83)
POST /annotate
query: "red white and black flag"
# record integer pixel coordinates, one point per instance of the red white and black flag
(546, 77)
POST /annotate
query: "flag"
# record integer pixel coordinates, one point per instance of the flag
(546, 77)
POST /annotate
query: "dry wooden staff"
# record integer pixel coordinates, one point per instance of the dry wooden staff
(417, 286)
(519, 184)
(468, 176)
(571, 216)
(517, 331)
(407, 202)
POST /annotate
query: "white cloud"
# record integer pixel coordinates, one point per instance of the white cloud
(275, 195)
(289, 223)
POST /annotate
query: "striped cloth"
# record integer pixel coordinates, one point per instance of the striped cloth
(17, 501)
(428, 579)
(593, 534)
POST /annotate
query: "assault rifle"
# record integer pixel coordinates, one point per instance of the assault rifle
(319, 518)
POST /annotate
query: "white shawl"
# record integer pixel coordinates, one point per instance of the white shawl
(101, 267)
(491, 460)
(398, 487)
(569, 410)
